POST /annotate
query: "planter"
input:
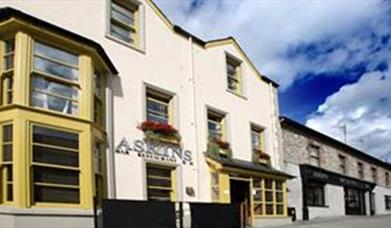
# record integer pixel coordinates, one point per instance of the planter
(260, 157)
(161, 132)
(217, 148)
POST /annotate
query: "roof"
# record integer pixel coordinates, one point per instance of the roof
(286, 122)
(8, 13)
(249, 166)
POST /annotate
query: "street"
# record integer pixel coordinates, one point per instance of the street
(346, 222)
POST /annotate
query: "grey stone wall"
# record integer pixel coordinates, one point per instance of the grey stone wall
(295, 150)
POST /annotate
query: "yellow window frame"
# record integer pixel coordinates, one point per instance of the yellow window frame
(274, 202)
(173, 186)
(4, 168)
(47, 165)
(6, 75)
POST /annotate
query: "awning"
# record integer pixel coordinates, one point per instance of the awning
(246, 167)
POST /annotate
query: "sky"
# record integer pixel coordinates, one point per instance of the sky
(331, 58)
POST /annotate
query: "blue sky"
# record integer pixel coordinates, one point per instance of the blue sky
(331, 58)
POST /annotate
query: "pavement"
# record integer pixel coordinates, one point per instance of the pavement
(381, 221)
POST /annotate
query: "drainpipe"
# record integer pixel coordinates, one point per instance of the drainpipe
(110, 163)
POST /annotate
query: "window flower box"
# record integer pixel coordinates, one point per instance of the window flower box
(260, 157)
(217, 147)
(155, 131)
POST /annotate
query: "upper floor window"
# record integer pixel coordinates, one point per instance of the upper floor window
(215, 126)
(6, 167)
(124, 20)
(257, 138)
(342, 163)
(159, 107)
(55, 79)
(374, 174)
(7, 73)
(360, 170)
(314, 155)
(234, 74)
(387, 181)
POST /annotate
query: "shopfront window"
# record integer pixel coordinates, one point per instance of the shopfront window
(55, 166)
(268, 197)
(55, 79)
(160, 183)
(314, 194)
(387, 202)
(6, 176)
(215, 186)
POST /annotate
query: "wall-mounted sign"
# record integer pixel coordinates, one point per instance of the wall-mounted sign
(155, 150)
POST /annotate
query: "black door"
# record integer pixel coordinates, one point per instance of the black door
(240, 193)
(354, 201)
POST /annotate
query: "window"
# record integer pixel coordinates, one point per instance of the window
(55, 79)
(7, 73)
(314, 194)
(99, 97)
(98, 168)
(160, 183)
(374, 174)
(257, 139)
(215, 186)
(387, 200)
(360, 170)
(387, 177)
(158, 107)
(124, 20)
(268, 197)
(55, 166)
(314, 155)
(234, 74)
(6, 162)
(342, 163)
(215, 126)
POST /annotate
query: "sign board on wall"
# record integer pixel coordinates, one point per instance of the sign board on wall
(155, 150)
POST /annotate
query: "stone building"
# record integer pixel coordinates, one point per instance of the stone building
(332, 178)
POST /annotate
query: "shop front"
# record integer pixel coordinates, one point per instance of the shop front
(324, 192)
(258, 188)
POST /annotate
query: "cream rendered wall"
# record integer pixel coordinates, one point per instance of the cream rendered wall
(255, 106)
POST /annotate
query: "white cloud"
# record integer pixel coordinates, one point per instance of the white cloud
(269, 29)
(365, 108)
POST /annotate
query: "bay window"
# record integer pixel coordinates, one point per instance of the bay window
(99, 97)
(6, 166)
(55, 165)
(55, 79)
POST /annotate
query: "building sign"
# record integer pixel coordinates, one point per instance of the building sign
(155, 150)
(311, 173)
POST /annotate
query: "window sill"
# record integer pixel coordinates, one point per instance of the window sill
(108, 36)
(236, 94)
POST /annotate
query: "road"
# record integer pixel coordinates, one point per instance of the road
(345, 222)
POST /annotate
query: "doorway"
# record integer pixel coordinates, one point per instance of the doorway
(240, 193)
(354, 201)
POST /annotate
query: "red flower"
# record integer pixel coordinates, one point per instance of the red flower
(163, 128)
(223, 144)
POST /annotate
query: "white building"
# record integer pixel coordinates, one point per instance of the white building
(185, 119)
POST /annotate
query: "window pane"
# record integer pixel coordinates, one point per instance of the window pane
(9, 46)
(8, 62)
(158, 194)
(278, 185)
(157, 110)
(57, 54)
(54, 103)
(55, 137)
(55, 156)
(269, 196)
(268, 184)
(280, 209)
(7, 152)
(122, 15)
(279, 197)
(55, 195)
(258, 209)
(56, 176)
(7, 133)
(41, 84)
(56, 69)
(258, 195)
(121, 33)
(10, 193)
(159, 172)
(9, 172)
(158, 182)
(269, 209)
